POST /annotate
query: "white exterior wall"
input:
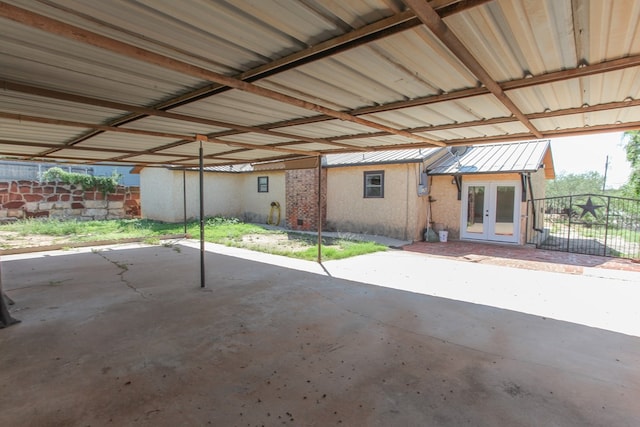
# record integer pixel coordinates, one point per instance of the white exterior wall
(447, 208)
(256, 206)
(160, 193)
(400, 214)
(225, 194)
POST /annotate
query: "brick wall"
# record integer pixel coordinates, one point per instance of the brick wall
(30, 199)
(302, 199)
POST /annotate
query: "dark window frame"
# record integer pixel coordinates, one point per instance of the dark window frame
(367, 187)
(263, 184)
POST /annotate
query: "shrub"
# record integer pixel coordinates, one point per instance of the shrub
(105, 184)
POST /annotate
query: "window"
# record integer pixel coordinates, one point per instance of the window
(263, 184)
(374, 184)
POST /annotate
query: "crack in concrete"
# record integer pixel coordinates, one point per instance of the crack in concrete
(123, 269)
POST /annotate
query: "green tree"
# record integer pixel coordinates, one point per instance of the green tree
(632, 146)
(569, 184)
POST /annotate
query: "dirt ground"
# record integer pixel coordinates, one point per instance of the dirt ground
(273, 241)
(283, 242)
(12, 239)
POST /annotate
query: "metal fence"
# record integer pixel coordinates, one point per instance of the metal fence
(591, 224)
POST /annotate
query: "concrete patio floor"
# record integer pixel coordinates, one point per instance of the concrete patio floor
(123, 335)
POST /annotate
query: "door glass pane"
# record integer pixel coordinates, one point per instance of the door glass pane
(505, 205)
(475, 209)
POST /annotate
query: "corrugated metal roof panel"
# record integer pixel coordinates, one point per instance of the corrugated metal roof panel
(230, 168)
(163, 124)
(525, 156)
(327, 129)
(192, 149)
(23, 103)
(243, 108)
(380, 157)
(36, 132)
(608, 29)
(18, 150)
(512, 39)
(595, 118)
(125, 142)
(86, 155)
(256, 139)
(444, 113)
(402, 63)
(54, 62)
(150, 158)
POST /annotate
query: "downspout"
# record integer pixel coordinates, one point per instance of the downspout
(533, 206)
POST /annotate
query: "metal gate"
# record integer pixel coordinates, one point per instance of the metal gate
(591, 224)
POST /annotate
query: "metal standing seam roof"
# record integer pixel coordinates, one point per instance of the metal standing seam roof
(146, 82)
(380, 157)
(526, 156)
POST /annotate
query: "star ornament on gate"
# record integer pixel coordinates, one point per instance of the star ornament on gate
(589, 207)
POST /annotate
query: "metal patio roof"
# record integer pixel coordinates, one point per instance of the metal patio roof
(146, 82)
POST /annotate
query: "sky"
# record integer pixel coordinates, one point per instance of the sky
(580, 154)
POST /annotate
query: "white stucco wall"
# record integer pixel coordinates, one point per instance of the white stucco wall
(160, 192)
(400, 214)
(225, 194)
(256, 206)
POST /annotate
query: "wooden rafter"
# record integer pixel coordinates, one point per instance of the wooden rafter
(558, 76)
(375, 31)
(72, 32)
(437, 26)
(183, 137)
(19, 87)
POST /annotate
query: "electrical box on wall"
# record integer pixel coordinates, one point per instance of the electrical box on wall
(423, 185)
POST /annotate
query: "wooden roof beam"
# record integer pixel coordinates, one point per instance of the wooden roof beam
(510, 119)
(374, 31)
(558, 76)
(47, 93)
(437, 26)
(182, 137)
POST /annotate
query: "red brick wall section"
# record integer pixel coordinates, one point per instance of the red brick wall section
(302, 199)
(33, 199)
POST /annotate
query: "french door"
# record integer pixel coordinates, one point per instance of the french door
(491, 211)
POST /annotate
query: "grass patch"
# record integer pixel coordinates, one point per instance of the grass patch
(226, 231)
(339, 250)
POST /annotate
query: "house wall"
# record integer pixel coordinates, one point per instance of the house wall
(225, 194)
(255, 207)
(401, 214)
(447, 208)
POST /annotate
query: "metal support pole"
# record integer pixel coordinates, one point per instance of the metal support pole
(319, 209)
(201, 216)
(569, 224)
(184, 198)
